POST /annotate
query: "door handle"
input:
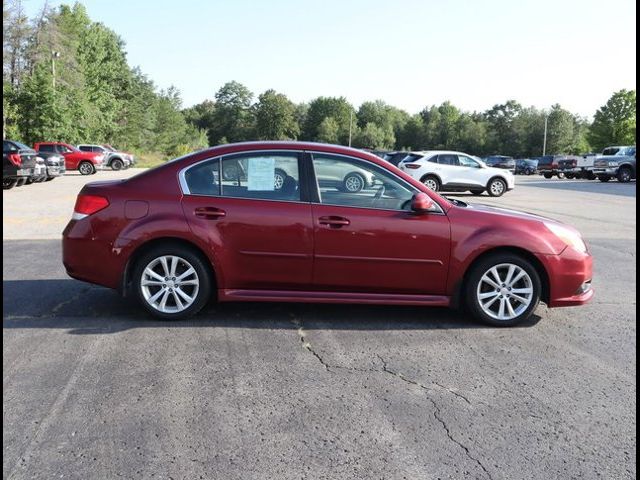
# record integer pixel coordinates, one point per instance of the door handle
(334, 221)
(209, 213)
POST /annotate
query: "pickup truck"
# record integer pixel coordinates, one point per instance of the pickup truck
(87, 163)
(577, 166)
(18, 163)
(616, 162)
(548, 166)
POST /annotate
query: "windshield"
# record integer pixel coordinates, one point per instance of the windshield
(22, 146)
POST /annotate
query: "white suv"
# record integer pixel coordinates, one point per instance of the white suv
(455, 172)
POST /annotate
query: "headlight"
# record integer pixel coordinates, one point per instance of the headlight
(568, 236)
(613, 164)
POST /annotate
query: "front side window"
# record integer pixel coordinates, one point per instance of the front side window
(47, 148)
(352, 182)
(263, 176)
(465, 161)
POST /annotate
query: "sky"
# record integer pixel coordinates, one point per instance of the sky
(409, 53)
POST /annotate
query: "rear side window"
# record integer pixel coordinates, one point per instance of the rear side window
(446, 159)
(47, 148)
(434, 159)
(263, 176)
(85, 148)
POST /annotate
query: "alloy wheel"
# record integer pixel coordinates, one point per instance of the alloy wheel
(431, 184)
(169, 284)
(497, 188)
(505, 291)
(353, 183)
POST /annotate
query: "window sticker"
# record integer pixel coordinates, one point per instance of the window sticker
(261, 174)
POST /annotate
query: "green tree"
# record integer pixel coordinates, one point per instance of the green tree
(203, 117)
(374, 137)
(328, 131)
(560, 131)
(276, 117)
(503, 137)
(338, 109)
(234, 118)
(615, 122)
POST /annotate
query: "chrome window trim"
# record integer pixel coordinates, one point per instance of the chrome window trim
(185, 188)
(401, 181)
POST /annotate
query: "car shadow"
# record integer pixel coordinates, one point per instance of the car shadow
(85, 309)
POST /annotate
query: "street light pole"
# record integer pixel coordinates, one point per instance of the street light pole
(350, 122)
(544, 142)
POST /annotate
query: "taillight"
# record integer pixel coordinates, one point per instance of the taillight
(412, 166)
(88, 205)
(16, 159)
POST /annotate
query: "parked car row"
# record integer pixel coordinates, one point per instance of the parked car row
(22, 164)
(617, 162)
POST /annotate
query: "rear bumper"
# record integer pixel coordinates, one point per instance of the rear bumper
(570, 275)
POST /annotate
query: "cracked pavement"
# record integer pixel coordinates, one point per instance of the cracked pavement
(94, 388)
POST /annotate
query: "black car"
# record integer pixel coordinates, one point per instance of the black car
(394, 158)
(526, 166)
(18, 163)
(501, 161)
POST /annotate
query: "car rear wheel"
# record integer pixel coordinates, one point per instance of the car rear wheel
(86, 168)
(548, 175)
(278, 179)
(497, 187)
(604, 178)
(503, 290)
(353, 183)
(431, 182)
(624, 175)
(117, 164)
(570, 176)
(8, 183)
(172, 282)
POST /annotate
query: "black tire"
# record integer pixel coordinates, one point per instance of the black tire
(21, 181)
(472, 281)
(86, 168)
(496, 187)
(353, 183)
(604, 178)
(48, 179)
(477, 192)
(570, 176)
(624, 175)
(591, 176)
(117, 164)
(8, 183)
(432, 182)
(29, 181)
(560, 175)
(200, 265)
(548, 175)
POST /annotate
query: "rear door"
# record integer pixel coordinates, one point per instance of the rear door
(251, 210)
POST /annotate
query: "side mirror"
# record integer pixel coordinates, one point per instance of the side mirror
(421, 203)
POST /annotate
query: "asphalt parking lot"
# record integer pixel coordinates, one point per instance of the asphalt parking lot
(94, 388)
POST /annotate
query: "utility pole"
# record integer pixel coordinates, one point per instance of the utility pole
(544, 142)
(350, 122)
(54, 55)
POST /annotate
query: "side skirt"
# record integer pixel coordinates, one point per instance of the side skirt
(233, 295)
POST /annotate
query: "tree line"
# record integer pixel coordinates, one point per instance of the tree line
(67, 78)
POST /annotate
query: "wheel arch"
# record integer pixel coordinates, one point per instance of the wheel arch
(493, 177)
(530, 257)
(144, 247)
(431, 174)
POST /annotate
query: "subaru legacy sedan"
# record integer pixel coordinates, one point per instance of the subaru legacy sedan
(186, 233)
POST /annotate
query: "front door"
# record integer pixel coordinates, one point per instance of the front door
(369, 241)
(248, 208)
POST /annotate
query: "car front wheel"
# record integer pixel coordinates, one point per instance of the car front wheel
(8, 183)
(624, 175)
(497, 187)
(172, 282)
(503, 290)
(117, 164)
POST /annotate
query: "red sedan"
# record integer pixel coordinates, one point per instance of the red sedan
(305, 222)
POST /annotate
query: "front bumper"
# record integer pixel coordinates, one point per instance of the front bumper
(612, 171)
(570, 275)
